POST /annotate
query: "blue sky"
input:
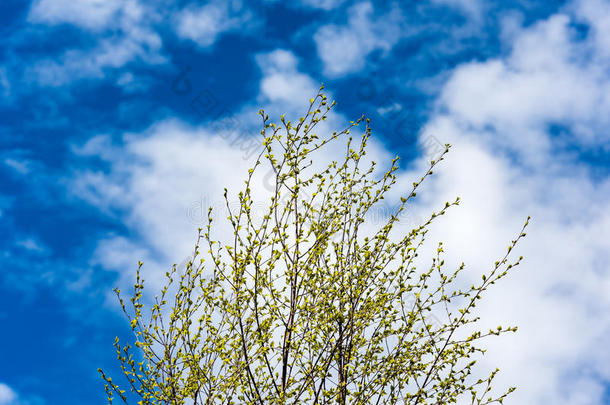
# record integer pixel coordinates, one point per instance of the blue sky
(121, 119)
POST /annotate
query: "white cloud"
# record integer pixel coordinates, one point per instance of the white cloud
(323, 4)
(95, 63)
(132, 84)
(558, 295)
(124, 35)
(162, 181)
(343, 48)
(550, 78)
(596, 13)
(282, 84)
(89, 14)
(505, 164)
(204, 24)
(7, 395)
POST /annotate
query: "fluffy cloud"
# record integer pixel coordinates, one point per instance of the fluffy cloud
(597, 14)
(323, 4)
(162, 181)
(95, 63)
(89, 14)
(282, 84)
(123, 33)
(161, 184)
(508, 162)
(204, 24)
(551, 78)
(7, 395)
(343, 48)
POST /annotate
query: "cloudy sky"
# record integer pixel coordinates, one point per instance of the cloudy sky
(122, 120)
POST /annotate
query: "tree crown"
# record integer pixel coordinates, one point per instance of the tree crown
(301, 307)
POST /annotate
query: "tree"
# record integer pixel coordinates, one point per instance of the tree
(300, 307)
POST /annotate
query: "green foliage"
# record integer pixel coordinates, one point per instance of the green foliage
(300, 308)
